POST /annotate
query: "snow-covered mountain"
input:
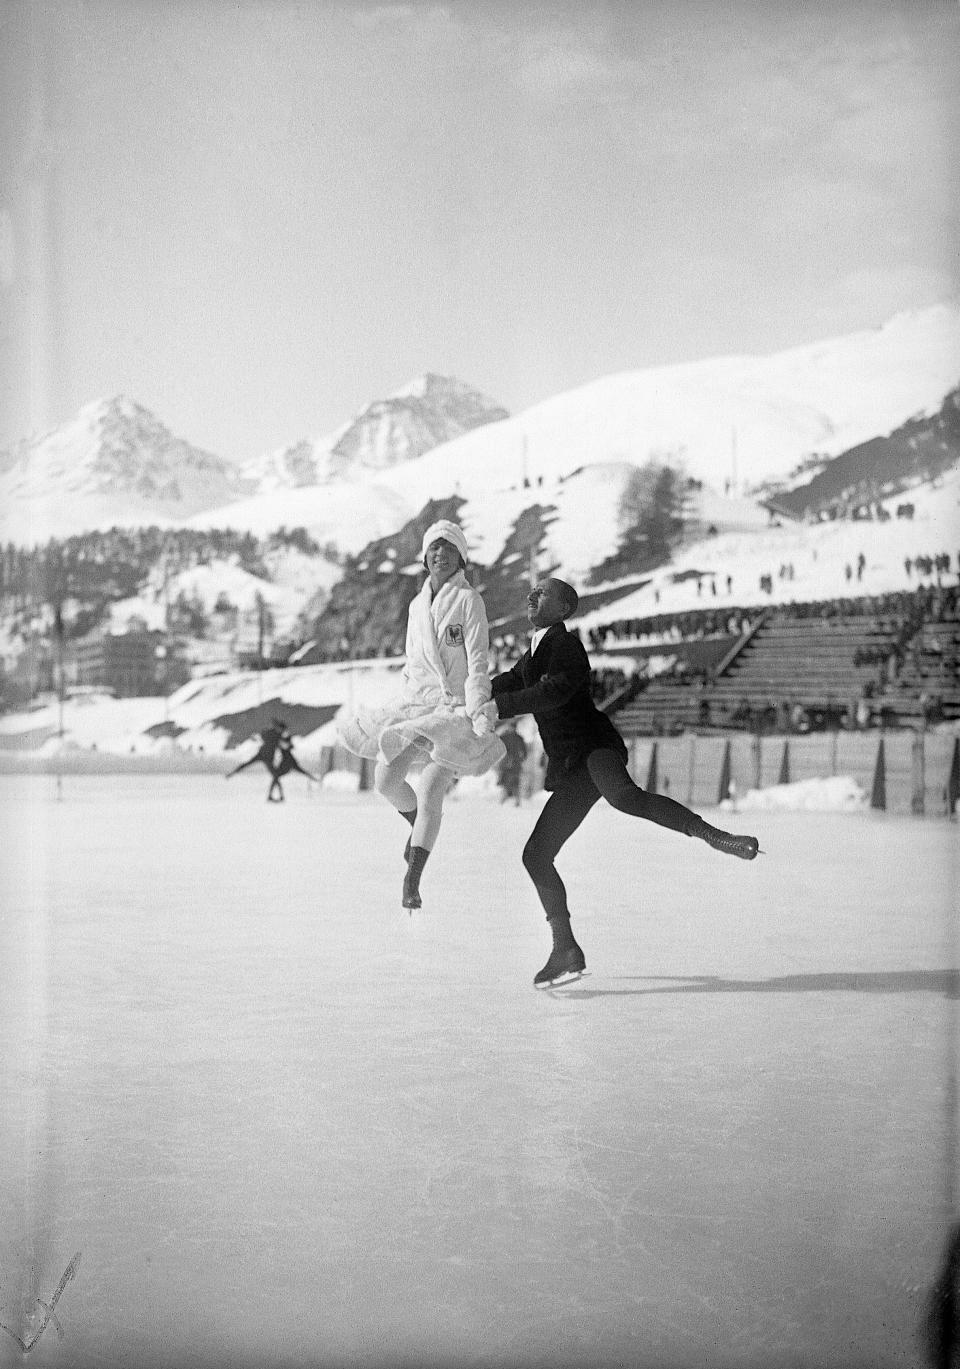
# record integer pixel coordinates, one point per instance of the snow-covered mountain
(732, 422)
(429, 411)
(114, 464)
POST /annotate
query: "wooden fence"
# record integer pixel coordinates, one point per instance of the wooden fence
(916, 766)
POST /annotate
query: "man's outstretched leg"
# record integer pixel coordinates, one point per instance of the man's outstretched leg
(609, 773)
(562, 815)
(237, 768)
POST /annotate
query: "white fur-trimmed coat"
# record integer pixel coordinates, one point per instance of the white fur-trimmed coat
(446, 683)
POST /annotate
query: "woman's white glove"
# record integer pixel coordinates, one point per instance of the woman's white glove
(485, 719)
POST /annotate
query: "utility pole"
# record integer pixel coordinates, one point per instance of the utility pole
(58, 634)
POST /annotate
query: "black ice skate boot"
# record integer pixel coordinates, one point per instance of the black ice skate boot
(410, 817)
(411, 880)
(744, 847)
(567, 961)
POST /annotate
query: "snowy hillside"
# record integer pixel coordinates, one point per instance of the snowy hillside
(295, 581)
(737, 419)
(818, 554)
(733, 423)
(347, 513)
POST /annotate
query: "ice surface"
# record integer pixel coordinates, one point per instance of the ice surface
(285, 1122)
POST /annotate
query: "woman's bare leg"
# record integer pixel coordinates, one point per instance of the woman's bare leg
(434, 783)
(390, 780)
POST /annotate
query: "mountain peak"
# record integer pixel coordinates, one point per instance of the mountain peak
(425, 413)
(430, 385)
(114, 463)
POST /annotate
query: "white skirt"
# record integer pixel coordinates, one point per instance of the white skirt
(445, 734)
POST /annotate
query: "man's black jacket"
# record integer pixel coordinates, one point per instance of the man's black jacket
(554, 685)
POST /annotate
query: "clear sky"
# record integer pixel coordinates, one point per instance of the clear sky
(255, 217)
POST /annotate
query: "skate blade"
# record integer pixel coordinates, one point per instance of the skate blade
(570, 977)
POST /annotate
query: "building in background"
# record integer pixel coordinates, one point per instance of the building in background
(138, 662)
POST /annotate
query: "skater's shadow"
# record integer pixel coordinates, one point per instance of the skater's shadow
(946, 982)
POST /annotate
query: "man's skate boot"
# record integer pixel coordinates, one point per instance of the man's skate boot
(563, 967)
(744, 847)
(411, 880)
(567, 961)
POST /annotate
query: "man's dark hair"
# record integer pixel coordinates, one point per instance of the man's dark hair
(570, 597)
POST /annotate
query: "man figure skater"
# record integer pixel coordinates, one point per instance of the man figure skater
(586, 761)
(265, 753)
(284, 763)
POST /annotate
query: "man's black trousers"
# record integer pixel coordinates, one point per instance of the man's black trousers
(602, 775)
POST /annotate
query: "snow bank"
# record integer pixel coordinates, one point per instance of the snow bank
(344, 781)
(839, 794)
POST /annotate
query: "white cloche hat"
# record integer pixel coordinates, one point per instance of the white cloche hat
(450, 532)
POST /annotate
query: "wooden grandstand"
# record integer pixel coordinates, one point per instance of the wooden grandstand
(899, 668)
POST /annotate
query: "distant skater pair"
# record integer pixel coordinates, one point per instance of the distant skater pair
(276, 753)
(448, 711)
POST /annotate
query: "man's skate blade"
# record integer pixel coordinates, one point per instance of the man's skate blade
(568, 977)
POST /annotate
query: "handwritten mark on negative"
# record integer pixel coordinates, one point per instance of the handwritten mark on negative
(48, 1310)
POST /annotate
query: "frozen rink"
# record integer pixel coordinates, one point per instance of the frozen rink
(286, 1123)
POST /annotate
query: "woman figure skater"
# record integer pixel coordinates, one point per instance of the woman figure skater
(444, 712)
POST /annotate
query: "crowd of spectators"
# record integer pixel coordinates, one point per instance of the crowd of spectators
(665, 629)
(903, 658)
(897, 604)
(605, 683)
(930, 565)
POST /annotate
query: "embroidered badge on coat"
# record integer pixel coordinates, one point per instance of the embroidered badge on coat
(455, 634)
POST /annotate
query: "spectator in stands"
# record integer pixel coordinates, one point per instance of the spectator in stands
(799, 719)
(510, 769)
(444, 713)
